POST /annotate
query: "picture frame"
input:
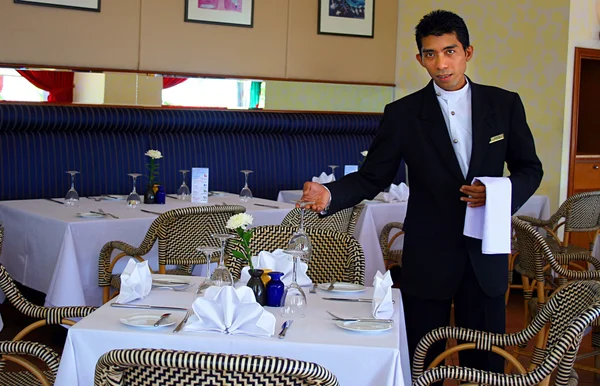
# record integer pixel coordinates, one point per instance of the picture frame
(237, 13)
(81, 5)
(347, 18)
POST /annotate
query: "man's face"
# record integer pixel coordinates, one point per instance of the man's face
(445, 60)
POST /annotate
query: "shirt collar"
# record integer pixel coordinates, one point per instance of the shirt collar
(451, 95)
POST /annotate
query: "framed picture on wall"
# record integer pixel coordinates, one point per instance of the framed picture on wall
(83, 5)
(347, 17)
(239, 13)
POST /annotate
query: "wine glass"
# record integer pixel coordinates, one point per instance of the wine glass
(183, 193)
(246, 193)
(300, 240)
(221, 276)
(293, 301)
(333, 167)
(72, 197)
(134, 198)
(208, 252)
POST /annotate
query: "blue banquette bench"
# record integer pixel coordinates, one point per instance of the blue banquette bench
(38, 143)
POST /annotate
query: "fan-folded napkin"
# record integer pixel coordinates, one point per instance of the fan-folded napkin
(324, 178)
(491, 223)
(383, 307)
(136, 281)
(231, 311)
(278, 261)
(397, 193)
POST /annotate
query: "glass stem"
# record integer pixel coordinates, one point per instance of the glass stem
(294, 271)
(301, 220)
(73, 181)
(134, 191)
(222, 259)
(208, 255)
(245, 180)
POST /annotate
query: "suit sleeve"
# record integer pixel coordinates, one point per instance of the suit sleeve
(521, 159)
(376, 173)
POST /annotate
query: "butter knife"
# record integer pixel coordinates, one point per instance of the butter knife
(361, 300)
(147, 306)
(284, 328)
(151, 212)
(53, 200)
(364, 320)
(267, 206)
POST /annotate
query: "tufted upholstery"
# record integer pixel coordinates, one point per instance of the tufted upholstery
(140, 367)
(38, 143)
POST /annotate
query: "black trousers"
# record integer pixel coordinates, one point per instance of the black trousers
(472, 309)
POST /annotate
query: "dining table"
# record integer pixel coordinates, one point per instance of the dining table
(354, 354)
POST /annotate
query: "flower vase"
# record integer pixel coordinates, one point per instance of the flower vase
(160, 196)
(275, 288)
(257, 286)
(149, 196)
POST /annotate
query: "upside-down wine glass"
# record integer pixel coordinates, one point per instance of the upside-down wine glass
(300, 240)
(134, 198)
(293, 301)
(246, 193)
(183, 193)
(207, 251)
(221, 276)
(72, 197)
(333, 167)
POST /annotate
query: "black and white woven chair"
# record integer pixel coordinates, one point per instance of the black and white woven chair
(343, 221)
(150, 367)
(336, 256)
(569, 311)
(33, 376)
(391, 256)
(179, 233)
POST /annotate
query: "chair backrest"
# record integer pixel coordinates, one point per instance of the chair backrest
(581, 212)
(38, 350)
(336, 256)
(151, 367)
(343, 221)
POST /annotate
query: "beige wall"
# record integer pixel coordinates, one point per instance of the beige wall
(519, 45)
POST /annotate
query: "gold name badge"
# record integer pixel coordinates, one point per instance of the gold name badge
(497, 138)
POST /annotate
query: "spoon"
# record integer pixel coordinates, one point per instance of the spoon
(162, 317)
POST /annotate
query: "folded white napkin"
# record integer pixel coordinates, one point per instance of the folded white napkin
(278, 261)
(491, 223)
(324, 178)
(136, 281)
(397, 193)
(383, 307)
(231, 311)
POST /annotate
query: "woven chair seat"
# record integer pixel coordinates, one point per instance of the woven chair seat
(571, 249)
(342, 221)
(115, 280)
(23, 378)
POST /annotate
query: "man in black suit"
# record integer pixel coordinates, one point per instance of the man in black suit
(447, 133)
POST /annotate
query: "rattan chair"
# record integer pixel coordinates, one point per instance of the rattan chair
(570, 310)
(391, 257)
(179, 233)
(336, 256)
(343, 221)
(12, 351)
(578, 213)
(149, 367)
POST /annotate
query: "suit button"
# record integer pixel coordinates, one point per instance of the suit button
(452, 112)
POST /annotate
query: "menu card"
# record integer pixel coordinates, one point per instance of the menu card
(200, 185)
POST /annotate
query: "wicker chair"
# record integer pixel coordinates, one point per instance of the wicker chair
(141, 367)
(343, 221)
(12, 351)
(581, 213)
(336, 256)
(179, 233)
(391, 257)
(570, 310)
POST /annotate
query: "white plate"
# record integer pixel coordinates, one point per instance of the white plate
(364, 326)
(146, 320)
(170, 283)
(89, 215)
(342, 287)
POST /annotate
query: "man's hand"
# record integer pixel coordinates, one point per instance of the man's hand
(475, 193)
(316, 193)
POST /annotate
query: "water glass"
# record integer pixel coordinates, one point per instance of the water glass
(134, 198)
(72, 197)
(183, 193)
(246, 193)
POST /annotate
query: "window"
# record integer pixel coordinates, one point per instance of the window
(218, 93)
(13, 87)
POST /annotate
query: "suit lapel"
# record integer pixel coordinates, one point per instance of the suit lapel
(482, 125)
(435, 126)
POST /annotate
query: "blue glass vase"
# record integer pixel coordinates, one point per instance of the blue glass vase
(275, 289)
(161, 196)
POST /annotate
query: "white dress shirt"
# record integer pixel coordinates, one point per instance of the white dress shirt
(456, 108)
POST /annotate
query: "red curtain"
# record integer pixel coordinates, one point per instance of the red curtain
(170, 82)
(58, 83)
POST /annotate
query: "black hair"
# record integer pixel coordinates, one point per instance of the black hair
(440, 22)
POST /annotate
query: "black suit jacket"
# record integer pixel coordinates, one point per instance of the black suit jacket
(413, 128)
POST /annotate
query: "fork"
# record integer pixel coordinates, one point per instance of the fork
(95, 199)
(183, 321)
(331, 286)
(174, 289)
(313, 289)
(106, 213)
(371, 320)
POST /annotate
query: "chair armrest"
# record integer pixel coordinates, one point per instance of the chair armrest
(38, 350)
(535, 221)
(104, 259)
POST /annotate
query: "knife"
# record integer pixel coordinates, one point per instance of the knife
(173, 197)
(151, 212)
(53, 200)
(364, 320)
(284, 328)
(267, 206)
(362, 300)
(147, 306)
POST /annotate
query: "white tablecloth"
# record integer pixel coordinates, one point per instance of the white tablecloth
(49, 249)
(355, 358)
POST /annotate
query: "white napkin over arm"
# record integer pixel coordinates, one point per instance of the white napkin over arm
(324, 178)
(278, 261)
(397, 193)
(491, 223)
(382, 305)
(136, 281)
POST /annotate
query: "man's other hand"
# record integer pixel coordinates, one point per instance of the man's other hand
(315, 192)
(475, 194)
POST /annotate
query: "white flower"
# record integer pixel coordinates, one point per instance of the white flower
(155, 154)
(364, 153)
(240, 220)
